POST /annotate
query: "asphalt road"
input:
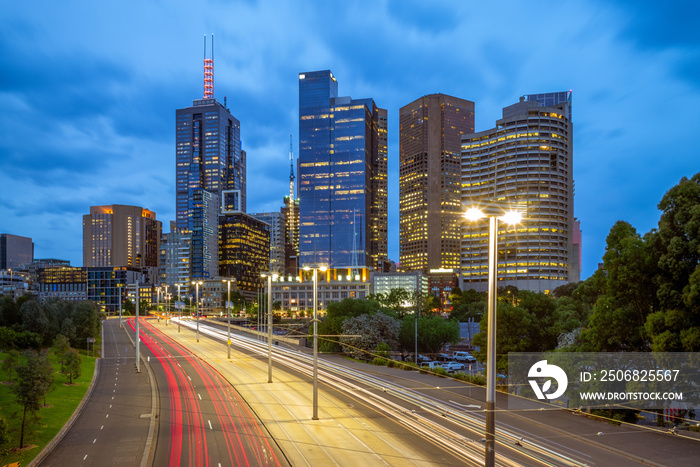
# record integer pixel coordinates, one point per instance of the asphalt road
(203, 420)
(113, 427)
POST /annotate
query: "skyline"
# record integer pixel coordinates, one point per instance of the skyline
(89, 107)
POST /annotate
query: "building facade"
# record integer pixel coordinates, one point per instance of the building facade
(342, 176)
(15, 251)
(208, 156)
(290, 211)
(430, 210)
(62, 283)
(412, 282)
(526, 159)
(119, 235)
(295, 294)
(175, 254)
(244, 251)
(203, 227)
(278, 235)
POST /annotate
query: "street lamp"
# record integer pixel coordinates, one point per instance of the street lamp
(119, 286)
(315, 269)
(196, 304)
(179, 307)
(228, 315)
(493, 211)
(270, 277)
(166, 297)
(138, 331)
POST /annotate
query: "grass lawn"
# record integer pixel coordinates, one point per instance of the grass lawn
(63, 401)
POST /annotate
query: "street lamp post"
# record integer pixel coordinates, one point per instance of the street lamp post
(196, 304)
(165, 296)
(315, 319)
(119, 286)
(179, 307)
(228, 315)
(138, 331)
(493, 212)
(270, 277)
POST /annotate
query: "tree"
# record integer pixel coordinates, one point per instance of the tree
(4, 436)
(34, 319)
(72, 362)
(9, 364)
(433, 333)
(61, 344)
(86, 319)
(9, 311)
(374, 329)
(33, 383)
(336, 314)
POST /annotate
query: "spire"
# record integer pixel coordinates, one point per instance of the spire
(208, 69)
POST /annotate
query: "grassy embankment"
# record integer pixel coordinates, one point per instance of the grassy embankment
(61, 403)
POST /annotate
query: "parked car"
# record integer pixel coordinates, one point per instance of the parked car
(430, 365)
(453, 366)
(443, 357)
(463, 357)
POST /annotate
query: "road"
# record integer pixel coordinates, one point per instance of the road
(203, 420)
(115, 421)
(451, 414)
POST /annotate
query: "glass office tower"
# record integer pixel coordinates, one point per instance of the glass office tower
(342, 176)
(208, 156)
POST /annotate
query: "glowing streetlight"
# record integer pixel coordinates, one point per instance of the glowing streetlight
(228, 315)
(196, 304)
(270, 277)
(494, 212)
(315, 269)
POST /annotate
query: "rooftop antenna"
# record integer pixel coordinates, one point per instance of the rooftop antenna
(209, 70)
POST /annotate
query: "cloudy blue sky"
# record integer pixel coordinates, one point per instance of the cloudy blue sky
(88, 92)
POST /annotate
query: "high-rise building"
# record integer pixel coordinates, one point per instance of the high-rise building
(430, 209)
(119, 235)
(342, 176)
(203, 226)
(290, 211)
(278, 234)
(526, 159)
(15, 251)
(175, 254)
(209, 157)
(244, 251)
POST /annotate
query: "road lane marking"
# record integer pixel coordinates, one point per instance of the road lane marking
(102, 427)
(85, 457)
(189, 378)
(210, 425)
(107, 416)
(94, 440)
(110, 406)
(200, 396)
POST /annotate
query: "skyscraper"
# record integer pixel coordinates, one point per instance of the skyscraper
(15, 251)
(430, 209)
(342, 176)
(209, 156)
(527, 158)
(278, 235)
(118, 235)
(244, 251)
(203, 226)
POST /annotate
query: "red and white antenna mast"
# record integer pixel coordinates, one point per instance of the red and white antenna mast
(208, 70)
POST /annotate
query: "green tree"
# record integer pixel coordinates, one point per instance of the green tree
(33, 383)
(433, 333)
(9, 311)
(72, 364)
(34, 319)
(9, 364)
(61, 344)
(4, 436)
(86, 319)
